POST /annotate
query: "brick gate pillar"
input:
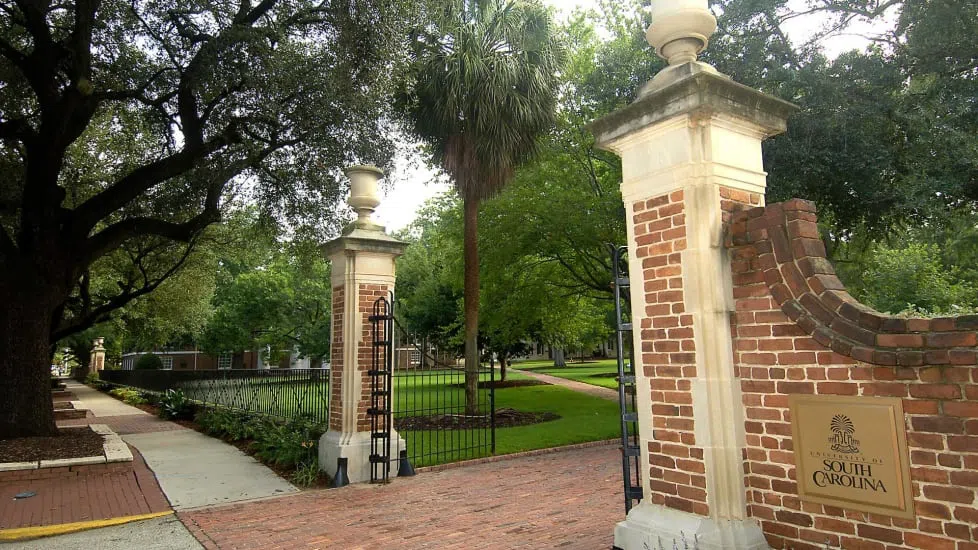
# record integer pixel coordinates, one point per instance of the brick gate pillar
(362, 262)
(97, 361)
(691, 153)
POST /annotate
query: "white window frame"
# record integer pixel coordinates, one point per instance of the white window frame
(224, 361)
(167, 362)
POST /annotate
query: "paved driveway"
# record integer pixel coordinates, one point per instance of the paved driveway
(569, 500)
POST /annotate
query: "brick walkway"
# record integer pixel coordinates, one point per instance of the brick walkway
(590, 389)
(90, 496)
(82, 498)
(568, 500)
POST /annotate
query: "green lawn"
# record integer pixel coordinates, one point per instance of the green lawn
(602, 373)
(582, 418)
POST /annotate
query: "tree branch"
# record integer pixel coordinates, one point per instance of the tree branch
(126, 189)
(101, 313)
(118, 233)
(17, 129)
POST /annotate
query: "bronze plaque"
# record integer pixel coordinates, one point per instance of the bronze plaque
(851, 452)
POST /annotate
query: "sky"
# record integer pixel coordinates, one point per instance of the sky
(412, 183)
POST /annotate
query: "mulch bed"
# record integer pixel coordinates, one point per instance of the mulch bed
(69, 443)
(505, 418)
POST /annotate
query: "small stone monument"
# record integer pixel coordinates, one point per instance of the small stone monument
(97, 361)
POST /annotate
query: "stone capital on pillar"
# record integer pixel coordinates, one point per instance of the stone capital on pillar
(690, 147)
(363, 270)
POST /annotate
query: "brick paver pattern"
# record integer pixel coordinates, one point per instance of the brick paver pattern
(82, 497)
(569, 500)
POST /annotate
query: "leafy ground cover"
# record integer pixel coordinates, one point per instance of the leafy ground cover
(598, 373)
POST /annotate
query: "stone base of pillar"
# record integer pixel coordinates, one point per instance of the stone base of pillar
(355, 447)
(654, 527)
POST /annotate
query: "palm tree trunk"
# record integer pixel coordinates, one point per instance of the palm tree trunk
(471, 245)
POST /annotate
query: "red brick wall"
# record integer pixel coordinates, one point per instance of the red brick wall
(797, 331)
(336, 360)
(668, 355)
(368, 295)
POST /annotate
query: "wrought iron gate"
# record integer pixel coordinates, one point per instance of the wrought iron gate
(381, 369)
(430, 411)
(630, 445)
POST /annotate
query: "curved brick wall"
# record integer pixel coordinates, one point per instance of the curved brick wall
(783, 243)
(797, 331)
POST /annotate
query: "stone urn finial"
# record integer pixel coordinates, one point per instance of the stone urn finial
(363, 194)
(680, 30)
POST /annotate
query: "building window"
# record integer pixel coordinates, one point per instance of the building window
(167, 363)
(224, 361)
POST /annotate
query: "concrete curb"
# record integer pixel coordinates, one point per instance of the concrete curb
(24, 533)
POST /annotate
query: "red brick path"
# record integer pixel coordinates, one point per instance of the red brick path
(82, 497)
(568, 500)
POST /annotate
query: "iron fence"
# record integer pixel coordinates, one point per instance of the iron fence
(430, 410)
(281, 393)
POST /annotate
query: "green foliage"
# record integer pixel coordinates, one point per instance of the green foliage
(129, 396)
(293, 444)
(92, 378)
(306, 474)
(281, 300)
(913, 278)
(174, 405)
(148, 361)
(231, 425)
(483, 88)
(289, 445)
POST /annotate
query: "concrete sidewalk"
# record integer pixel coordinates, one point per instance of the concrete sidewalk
(189, 468)
(99, 404)
(590, 389)
(193, 469)
(196, 470)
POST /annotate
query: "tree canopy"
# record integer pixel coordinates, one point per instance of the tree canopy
(126, 128)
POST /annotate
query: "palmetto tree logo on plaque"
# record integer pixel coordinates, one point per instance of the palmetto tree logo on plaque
(843, 429)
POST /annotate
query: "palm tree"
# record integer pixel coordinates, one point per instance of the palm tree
(485, 88)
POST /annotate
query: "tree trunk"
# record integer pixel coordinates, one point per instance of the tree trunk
(502, 366)
(25, 361)
(559, 360)
(471, 245)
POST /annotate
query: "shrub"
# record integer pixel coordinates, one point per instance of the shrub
(174, 405)
(128, 396)
(92, 379)
(289, 445)
(231, 425)
(148, 361)
(306, 474)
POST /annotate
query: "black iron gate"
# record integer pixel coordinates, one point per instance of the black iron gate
(381, 369)
(630, 445)
(430, 410)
